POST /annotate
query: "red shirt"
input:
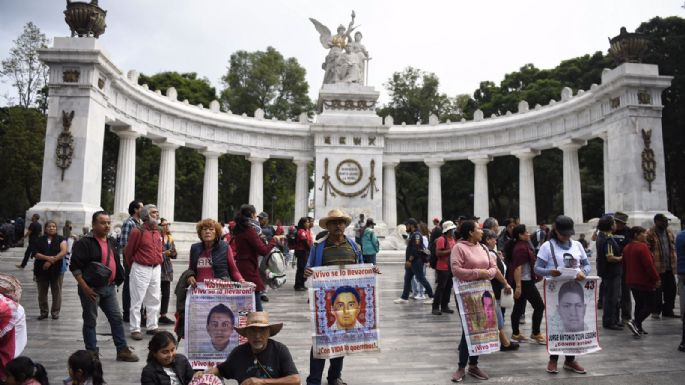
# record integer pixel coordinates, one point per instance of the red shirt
(204, 266)
(443, 263)
(639, 267)
(304, 240)
(112, 262)
(144, 248)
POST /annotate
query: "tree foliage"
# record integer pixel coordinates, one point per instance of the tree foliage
(27, 74)
(22, 139)
(266, 80)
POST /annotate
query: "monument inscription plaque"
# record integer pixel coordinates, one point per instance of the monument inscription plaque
(349, 172)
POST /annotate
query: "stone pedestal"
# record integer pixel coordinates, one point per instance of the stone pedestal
(79, 74)
(348, 143)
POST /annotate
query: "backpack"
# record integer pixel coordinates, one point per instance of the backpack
(291, 237)
(433, 259)
(272, 268)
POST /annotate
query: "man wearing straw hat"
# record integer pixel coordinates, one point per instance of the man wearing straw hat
(261, 360)
(335, 248)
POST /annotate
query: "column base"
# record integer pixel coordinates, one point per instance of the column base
(80, 214)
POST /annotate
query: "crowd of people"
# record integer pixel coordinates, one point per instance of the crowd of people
(634, 263)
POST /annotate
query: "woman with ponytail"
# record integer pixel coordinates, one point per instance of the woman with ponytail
(23, 371)
(84, 369)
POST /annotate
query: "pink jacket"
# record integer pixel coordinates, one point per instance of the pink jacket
(468, 258)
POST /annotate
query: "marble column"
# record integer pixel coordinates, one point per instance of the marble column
(125, 189)
(256, 197)
(527, 206)
(301, 188)
(210, 189)
(166, 188)
(481, 199)
(434, 189)
(605, 165)
(389, 193)
(573, 200)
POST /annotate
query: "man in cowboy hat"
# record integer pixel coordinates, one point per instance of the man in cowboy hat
(261, 360)
(335, 248)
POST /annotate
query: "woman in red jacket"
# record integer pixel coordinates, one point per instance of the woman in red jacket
(641, 277)
(249, 246)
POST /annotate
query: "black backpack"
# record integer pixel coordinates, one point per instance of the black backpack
(433, 261)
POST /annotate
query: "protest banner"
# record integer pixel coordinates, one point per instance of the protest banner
(476, 302)
(213, 309)
(571, 315)
(344, 305)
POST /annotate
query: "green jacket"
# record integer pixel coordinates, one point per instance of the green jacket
(370, 244)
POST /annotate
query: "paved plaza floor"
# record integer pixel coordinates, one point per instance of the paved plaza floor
(417, 347)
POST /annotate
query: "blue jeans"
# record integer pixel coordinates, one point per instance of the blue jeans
(415, 270)
(370, 258)
(316, 366)
(611, 300)
(106, 300)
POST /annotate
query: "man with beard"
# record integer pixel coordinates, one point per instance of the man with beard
(144, 257)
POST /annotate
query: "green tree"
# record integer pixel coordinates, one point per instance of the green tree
(188, 85)
(22, 139)
(266, 80)
(27, 74)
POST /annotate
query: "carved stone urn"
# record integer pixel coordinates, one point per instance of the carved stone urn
(628, 47)
(85, 19)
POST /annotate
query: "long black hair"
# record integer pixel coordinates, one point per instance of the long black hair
(509, 246)
(243, 218)
(157, 342)
(23, 368)
(466, 228)
(301, 222)
(89, 364)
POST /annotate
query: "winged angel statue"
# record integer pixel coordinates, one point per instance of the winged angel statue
(347, 58)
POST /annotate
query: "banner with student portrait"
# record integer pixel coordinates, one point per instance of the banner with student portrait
(213, 310)
(478, 315)
(344, 305)
(571, 315)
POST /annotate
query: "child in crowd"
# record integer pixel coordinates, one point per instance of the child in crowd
(164, 365)
(84, 369)
(23, 371)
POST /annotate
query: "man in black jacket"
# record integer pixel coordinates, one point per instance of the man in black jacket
(91, 250)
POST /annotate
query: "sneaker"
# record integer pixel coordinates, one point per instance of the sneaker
(447, 310)
(656, 316)
(401, 301)
(574, 367)
(458, 376)
(519, 338)
(42, 317)
(428, 301)
(337, 381)
(420, 297)
(164, 320)
(633, 328)
(127, 355)
(151, 332)
(643, 332)
(681, 347)
(552, 367)
(539, 338)
(55, 316)
(513, 345)
(138, 336)
(474, 371)
(19, 266)
(264, 298)
(436, 312)
(612, 327)
(301, 288)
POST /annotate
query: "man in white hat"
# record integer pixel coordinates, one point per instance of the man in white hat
(261, 360)
(335, 248)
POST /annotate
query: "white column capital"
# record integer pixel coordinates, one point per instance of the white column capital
(257, 158)
(528, 153)
(127, 132)
(571, 144)
(168, 144)
(210, 154)
(390, 162)
(600, 134)
(480, 160)
(301, 161)
(434, 162)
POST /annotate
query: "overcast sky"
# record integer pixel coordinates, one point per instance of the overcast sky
(462, 42)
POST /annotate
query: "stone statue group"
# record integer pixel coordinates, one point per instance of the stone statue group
(347, 57)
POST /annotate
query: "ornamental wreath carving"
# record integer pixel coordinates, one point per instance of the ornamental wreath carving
(65, 143)
(648, 161)
(348, 172)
